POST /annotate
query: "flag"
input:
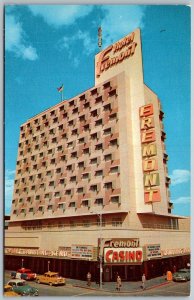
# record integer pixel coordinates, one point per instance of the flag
(60, 89)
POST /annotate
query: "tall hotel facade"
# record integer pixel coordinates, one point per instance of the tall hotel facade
(92, 179)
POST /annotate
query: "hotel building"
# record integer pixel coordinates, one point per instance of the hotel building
(92, 176)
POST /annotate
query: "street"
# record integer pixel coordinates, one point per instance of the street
(171, 289)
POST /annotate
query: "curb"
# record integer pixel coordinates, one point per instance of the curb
(120, 292)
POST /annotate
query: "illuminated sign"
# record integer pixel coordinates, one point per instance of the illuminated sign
(79, 251)
(153, 251)
(116, 53)
(168, 252)
(38, 252)
(123, 255)
(149, 152)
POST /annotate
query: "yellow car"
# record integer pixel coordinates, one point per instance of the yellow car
(51, 278)
(8, 291)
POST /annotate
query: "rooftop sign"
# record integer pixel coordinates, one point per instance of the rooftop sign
(116, 53)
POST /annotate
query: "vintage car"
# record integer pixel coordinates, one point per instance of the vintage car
(23, 273)
(21, 287)
(9, 292)
(182, 275)
(51, 278)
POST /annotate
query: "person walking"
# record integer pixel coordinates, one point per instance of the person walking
(89, 277)
(143, 280)
(118, 284)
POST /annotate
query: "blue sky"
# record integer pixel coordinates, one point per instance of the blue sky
(47, 45)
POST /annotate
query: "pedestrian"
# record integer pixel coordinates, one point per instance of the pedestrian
(118, 283)
(174, 269)
(143, 280)
(89, 277)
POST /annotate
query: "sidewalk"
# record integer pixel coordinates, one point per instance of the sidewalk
(126, 285)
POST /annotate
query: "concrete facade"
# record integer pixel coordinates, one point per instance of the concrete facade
(89, 157)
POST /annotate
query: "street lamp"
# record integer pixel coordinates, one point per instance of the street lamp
(101, 250)
(48, 265)
(22, 262)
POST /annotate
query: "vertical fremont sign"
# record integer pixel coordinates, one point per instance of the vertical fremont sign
(149, 154)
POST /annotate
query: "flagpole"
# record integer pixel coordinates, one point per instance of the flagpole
(62, 95)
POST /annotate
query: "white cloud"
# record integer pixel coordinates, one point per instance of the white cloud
(59, 15)
(182, 200)
(9, 185)
(15, 39)
(120, 20)
(179, 176)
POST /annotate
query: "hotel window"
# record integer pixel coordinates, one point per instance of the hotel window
(41, 154)
(85, 175)
(87, 104)
(73, 178)
(94, 113)
(37, 197)
(21, 152)
(52, 113)
(99, 201)
(81, 164)
(41, 208)
(113, 117)
(33, 187)
(48, 173)
(94, 188)
(94, 161)
(86, 127)
(80, 190)
(20, 200)
(106, 85)
(29, 199)
(69, 167)
(64, 135)
(23, 135)
(68, 192)
(114, 169)
(74, 154)
(70, 123)
(36, 121)
(86, 150)
(45, 143)
(98, 99)
(44, 117)
(19, 171)
(74, 132)
(116, 222)
(61, 205)
(99, 173)
(64, 115)
(31, 209)
(55, 120)
(53, 161)
(54, 140)
(51, 183)
(17, 191)
(36, 147)
(60, 127)
(82, 118)
(15, 212)
(57, 194)
(70, 145)
(62, 180)
(98, 122)
(107, 107)
(107, 131)
(94, 136)
(72, 204)
(21, 128)
(108, 157)
(115, 199)
(46, 195)
(23, 211)
(38, 128)
(59, 148)
(108, 185)
(49, 207)
(61, 108)
(50, 151)
(99, 146)
(81, 140)
(114, 142)
(63, 157)
(41, 185)
(112, 93)
(86, 203)
(71, 103)
(58, 170)
(75, 110)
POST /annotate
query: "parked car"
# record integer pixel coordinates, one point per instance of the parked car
(21, 287)
(51, 278)
(23, 273)
(9, 292)
(182, 275)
